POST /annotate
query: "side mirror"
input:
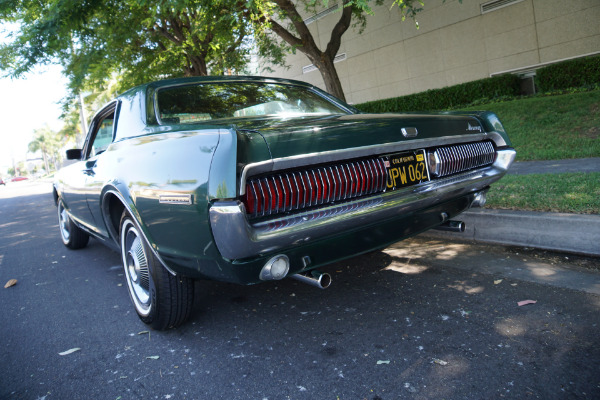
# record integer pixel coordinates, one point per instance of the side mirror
(74, 154)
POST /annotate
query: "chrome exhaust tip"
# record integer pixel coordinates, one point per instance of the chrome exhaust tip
(314, 278)
(480, 199)
(451, 226)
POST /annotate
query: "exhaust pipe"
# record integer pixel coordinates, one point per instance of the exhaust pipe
(451, 226)
(480, 199)
(314, 278)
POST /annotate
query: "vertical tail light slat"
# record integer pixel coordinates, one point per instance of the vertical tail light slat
(373, 177)
(363, 178)
(332, 184)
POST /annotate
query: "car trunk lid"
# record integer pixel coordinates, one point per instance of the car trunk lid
(300, 136)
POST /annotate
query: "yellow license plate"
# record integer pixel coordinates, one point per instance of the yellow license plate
(406, 169)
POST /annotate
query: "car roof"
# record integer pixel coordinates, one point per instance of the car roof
(212, 79)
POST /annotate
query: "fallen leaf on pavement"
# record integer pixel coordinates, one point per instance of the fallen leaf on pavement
(441, 362)
(73, 350)
(499, 281)
(383, 362)
(10, 283)
(525, 302)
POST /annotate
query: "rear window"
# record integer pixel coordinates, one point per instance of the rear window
(213, 101)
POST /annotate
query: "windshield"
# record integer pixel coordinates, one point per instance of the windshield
(210, 101)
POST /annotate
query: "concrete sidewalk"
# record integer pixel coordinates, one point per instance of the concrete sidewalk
(555, 166)
(573, 233)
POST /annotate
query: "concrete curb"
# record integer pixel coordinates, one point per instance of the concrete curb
(573, 233)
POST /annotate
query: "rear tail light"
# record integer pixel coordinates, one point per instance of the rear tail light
(301, 189)
(450, 160)
(316, 186)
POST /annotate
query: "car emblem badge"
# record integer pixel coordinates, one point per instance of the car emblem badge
(473, 127)
(410, 132)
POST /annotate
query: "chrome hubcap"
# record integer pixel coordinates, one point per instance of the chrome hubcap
(135, 263)
(63, 222)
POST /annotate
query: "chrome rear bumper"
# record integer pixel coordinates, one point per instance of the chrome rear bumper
(237, 238)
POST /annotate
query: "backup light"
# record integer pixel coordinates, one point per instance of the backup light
(433, 161)
(275, 269)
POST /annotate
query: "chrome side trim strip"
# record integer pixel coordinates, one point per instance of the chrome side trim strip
(236, 238)
(186, 199)
(357, 152)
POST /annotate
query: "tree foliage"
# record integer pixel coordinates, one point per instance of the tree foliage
(143, 40)
(49, 143)
(138, 40)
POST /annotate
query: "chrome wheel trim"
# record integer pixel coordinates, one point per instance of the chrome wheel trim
(135, 264)
(63, 223)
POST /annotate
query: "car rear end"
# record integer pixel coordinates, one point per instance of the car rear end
(342, 186)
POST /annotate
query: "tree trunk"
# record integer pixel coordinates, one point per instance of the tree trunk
(197, 66)
(303, 40)
(45, 158)
(330, 77)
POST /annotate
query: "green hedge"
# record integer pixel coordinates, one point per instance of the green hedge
(581, 72)
(448, 97)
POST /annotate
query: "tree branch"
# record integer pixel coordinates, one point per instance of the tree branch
(285, 34)
(164, 32)
(338, 30)
(306, 37)
(186, 18)
(176, 25)
(237, 42)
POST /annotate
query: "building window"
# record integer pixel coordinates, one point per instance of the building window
(312, 67)
(496, 5)
(320, 15)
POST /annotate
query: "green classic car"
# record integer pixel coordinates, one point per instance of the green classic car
(250, 179)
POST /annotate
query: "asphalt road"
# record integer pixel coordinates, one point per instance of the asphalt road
(423, 319)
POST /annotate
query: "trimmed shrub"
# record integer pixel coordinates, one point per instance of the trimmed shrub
(448, 97)
(581, 72)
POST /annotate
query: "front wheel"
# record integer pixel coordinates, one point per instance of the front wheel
(72, 236)
(161, 300)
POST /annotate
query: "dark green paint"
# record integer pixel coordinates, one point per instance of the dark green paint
(206, 159)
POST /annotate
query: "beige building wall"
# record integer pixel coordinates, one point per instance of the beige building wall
(455, 43)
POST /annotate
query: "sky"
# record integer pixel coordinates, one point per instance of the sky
(27, 104)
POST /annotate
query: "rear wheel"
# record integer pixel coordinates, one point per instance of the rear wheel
(72, 236)
(161, 300)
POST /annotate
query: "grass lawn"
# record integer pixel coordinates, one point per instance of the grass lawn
(551, 127)
(570, 193)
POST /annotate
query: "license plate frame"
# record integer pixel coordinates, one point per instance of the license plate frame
(405, 169)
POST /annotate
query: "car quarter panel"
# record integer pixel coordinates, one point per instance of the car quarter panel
(164, 179)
